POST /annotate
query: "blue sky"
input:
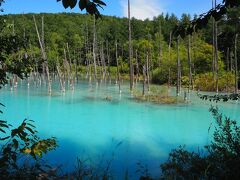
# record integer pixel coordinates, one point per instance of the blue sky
(141, 9)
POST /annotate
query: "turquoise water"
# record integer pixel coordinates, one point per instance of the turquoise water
(123, 130)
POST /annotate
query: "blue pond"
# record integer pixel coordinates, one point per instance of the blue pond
(125, 131)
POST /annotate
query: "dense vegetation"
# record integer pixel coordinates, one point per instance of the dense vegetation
(71, 36)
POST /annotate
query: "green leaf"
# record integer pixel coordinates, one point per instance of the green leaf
(72, 3)
(3, 125)
(83, 4)
(99, 2)
(65, 3)
(30, 130)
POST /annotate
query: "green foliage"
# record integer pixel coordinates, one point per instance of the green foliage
(217, 13)
(17, 143)
(183, 164)
(217, 98)
(13, 56)
(160, 76)
(158, 95)
(222, 160)
(206, 82)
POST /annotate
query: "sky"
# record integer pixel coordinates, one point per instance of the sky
(141, 9)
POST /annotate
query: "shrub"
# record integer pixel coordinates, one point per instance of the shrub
(205, 82)
(160, 76)
(19, 143)
(222, 160)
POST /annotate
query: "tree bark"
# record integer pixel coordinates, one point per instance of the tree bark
(169, 59)
(43, 52)
(94, 48)
(137, 66)
(178, 68)
(190, 84)
(236, 63)
(118, 74)
(130, 47)
(108, 58)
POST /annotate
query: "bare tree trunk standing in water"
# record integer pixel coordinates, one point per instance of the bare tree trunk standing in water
(108, 58)
(213, 45)
(60, 77)
(103, 62)
(190, 84)
(147, 69)
(236, 63)
(43, 52)
(70, 68)
(144, 80)
(118, 74)
(215, 55)
(169, 59)
(94, 47)
(130, 47)
(227, 58)
(137, 66)
(178, 68)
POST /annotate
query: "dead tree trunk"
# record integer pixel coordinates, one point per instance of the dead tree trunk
(169, 59)
(103, 63)
(178, 68)
(144, 80)
(66, 65)
(190, 84)
(148, 78)
(213, 46)
(227, 59)
(216, 56)
(70, 69)
(118, 73)
(60, 79)
(130, 47)
(231, 61)
(160, 46)
(236, 63)
(137, 66)
(43, 52)
(94, 48)
(108, 58)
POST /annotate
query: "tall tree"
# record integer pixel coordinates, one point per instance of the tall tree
(190, 84)
(44, 55)
(94, 48)
(130, 46)
(118, 73)
(178, 67)
(236, 63)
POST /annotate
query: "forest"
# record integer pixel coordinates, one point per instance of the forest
(69, 38)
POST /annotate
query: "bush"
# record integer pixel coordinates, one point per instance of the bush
(18, 144)
(160, 76)
(221, 162)
(205, 82)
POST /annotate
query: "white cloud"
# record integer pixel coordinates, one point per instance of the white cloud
(142, 9)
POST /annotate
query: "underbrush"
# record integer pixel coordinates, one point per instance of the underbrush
(206, 82)
(159, 95)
